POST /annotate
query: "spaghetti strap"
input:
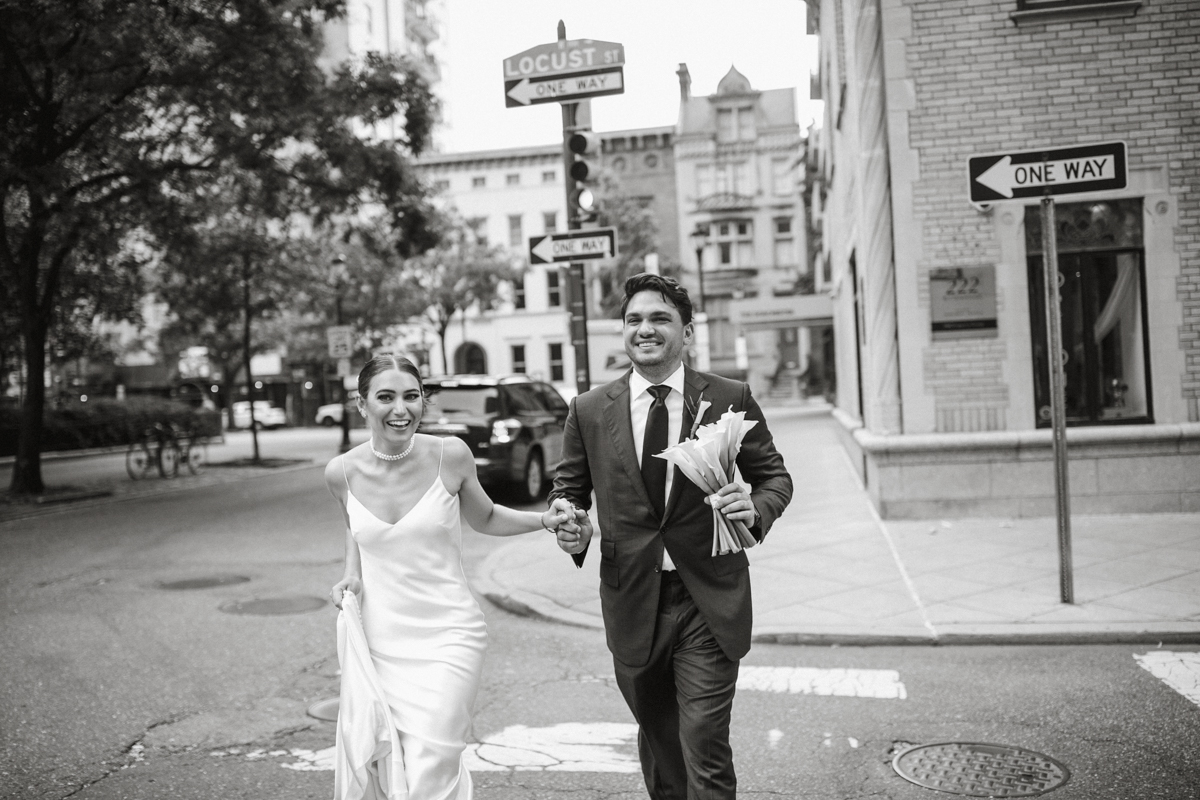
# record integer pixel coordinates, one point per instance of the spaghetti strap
(441, 452)
(342, 458)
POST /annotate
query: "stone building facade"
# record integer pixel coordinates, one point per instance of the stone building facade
(738, 172)
(945, 417)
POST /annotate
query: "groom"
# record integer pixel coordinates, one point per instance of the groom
(677, 617)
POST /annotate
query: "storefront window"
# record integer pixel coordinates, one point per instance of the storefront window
(1101, 286)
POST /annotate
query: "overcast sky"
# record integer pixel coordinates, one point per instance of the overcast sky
(764, 39)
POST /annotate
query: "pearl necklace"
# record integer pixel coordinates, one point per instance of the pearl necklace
(397, 456)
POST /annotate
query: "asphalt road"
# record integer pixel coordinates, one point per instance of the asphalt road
(118, 688)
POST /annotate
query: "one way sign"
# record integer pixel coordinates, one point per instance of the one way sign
(1034, 173)
(573, 246)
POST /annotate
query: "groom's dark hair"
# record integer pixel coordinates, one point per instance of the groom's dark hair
(669, 288)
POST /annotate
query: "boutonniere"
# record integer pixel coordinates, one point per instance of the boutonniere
(697, 414)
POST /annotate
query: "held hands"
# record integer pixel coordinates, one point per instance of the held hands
(345, 585)
(732, 501)
(574, 532)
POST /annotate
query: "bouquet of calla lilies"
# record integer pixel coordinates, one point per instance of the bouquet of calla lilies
(708, 460)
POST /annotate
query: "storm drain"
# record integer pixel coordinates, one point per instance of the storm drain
(206, 582)
(274, 605)
(980, 770)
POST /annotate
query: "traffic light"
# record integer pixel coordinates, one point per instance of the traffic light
(585, 171)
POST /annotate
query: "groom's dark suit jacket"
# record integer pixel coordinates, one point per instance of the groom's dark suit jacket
(599, 454)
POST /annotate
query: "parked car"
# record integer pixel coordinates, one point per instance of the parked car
(513, 425)
(330, 414)
(265, 415)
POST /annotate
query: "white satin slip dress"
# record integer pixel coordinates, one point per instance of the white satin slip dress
(426, 634)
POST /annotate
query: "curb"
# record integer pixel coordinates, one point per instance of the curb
(530, 604)
(98, 495)
(67, 455)
(525, 603)
(535, 606)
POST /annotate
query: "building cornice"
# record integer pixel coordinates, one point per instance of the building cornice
(509, 157)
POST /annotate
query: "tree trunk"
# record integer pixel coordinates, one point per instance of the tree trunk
(442, 328)
(27, 468)
(246, 350)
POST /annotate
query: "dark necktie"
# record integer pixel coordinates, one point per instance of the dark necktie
(654, 470)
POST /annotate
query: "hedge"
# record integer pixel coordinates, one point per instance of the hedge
(105, 422)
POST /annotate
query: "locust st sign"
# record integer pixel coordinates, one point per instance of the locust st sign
(564, 72)
(573, 246)
(1035, 173)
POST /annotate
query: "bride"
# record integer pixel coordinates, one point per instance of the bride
(401, 495)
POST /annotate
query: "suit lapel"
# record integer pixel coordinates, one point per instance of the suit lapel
(694, 385)
(620, 429)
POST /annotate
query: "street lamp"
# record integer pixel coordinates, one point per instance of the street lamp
(699, 238)
(340, 275)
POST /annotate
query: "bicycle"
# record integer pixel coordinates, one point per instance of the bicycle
(156, 447)
(193, 450)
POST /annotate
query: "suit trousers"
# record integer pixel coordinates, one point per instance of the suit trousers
(682, 698)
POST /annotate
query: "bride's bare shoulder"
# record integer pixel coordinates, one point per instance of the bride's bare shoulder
(336, 471)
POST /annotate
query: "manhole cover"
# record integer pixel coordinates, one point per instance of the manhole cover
(207, 582)
(274, 605)
(325, 709)
(980, 770)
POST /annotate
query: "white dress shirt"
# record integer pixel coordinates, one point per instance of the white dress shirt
(640, 401)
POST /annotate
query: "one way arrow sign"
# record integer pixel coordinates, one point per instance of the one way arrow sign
(564, 88)
(573, 246)
(1034, 173)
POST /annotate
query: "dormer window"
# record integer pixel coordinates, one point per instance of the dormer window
(736, 124)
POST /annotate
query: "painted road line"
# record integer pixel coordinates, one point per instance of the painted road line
(1180, 671)
(567, 747)
(883, 684)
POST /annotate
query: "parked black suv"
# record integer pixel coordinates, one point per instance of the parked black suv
(513, 425)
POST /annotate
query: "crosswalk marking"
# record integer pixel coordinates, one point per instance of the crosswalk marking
(612, 746)
(878, 683)
(1180, 671)
(567, 747)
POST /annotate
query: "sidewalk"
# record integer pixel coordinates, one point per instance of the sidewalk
(84, 479)
(831, 572)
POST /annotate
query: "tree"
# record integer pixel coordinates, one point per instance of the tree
(117, 112)
(459, 274)
(637, 235)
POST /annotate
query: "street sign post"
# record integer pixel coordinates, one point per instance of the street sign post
(1053, 171)
(564, 71)
(569, 72)
(1058, 414)
(582, 245)
(341, 341)
(1044, 173)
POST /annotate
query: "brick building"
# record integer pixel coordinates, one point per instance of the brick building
(947, 418)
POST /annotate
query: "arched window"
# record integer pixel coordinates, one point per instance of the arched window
(470, 359)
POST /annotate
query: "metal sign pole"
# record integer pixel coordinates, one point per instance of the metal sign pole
(576, 116)
(1057, 403)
